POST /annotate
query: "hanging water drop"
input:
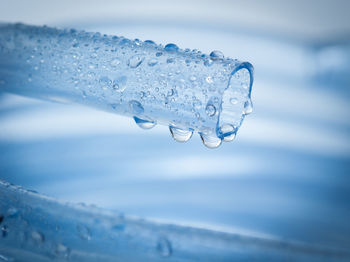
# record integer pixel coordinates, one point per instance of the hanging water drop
(210, 141)
(164, 247)
(248, 107)
(135, 61)
(216, 55)
(144, 123)
(227, 132)
(180, 135)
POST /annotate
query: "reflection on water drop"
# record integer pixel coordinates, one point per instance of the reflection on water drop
(119, 84)
(135, 61)
(180, 135)
(83, 232)
(171, 47)
(144, 123)
(62, 251)
(164, 247)
(152, 62)
(210, 141)
(150, 42)
(38, 237)
(105, 81)
(233, 100)
(227, 132)
(115, 62)
(136, 107)
(210, 110)
(4, 231)
(209, 79)
(208, 62)
(248, 107)
(216, 55)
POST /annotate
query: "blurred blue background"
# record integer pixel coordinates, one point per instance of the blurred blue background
(285, 176)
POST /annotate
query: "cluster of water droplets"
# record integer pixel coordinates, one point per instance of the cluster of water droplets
(184, 89)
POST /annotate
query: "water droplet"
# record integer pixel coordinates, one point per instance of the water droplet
(136, 107)
(105, 81)
(197, 103)
(150, 42)
(216, 55)
(119, 84)
(171, 48)
(38, 237)
(210, 141)
(144, 123)
(12, 212)
(248, 107)
(164, 247)
(193, 78)
(83, 232)
(4, 230)
(227, 132)
(208, 62)
(159, 54)
(170, 60)
(210, 110)
(152, 62)
(209, 79)
(233, 100)
(135, 61)
(62, 251)
(180, 135)
(1, 218)
(115, 62)
(171, 92)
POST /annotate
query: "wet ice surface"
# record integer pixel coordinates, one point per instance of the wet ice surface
(285, 177)
(153, 83)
